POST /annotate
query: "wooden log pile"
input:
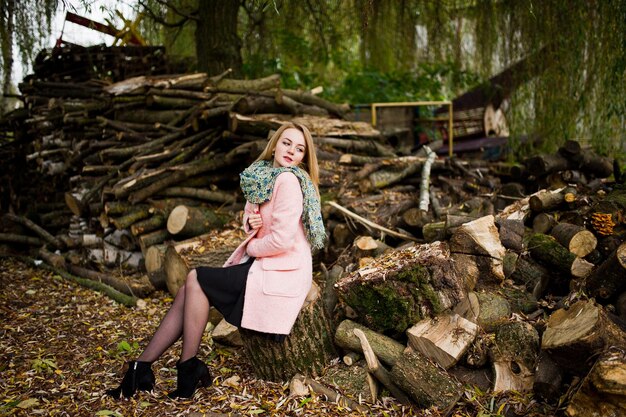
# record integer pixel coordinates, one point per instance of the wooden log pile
(453, 269)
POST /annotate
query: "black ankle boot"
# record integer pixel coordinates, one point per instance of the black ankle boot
(192, 373)
(139, 376)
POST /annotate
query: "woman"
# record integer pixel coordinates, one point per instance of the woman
(263, 284)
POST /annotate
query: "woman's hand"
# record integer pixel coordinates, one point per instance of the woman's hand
(255, 221)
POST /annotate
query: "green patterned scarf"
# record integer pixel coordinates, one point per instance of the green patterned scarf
(257, 183)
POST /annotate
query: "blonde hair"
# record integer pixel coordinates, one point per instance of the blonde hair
(309, 162)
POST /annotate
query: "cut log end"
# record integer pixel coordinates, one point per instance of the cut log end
(177, 219)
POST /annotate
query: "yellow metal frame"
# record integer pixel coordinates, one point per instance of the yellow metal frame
(374, 106)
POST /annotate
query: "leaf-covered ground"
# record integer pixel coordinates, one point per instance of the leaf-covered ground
(62, 346)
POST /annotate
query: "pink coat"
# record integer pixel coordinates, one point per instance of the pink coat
(280, 277)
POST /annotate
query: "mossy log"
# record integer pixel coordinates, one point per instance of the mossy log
(546, 250)
(494, 310)
(609, 278)
(514, 356)
(578, 240)
(401, 287)
(426, 383)
(603, 392)
(385, 348)
(575, 335)
(153, 238)
(307, 350)
(352, 380)
(25, 240)
(185, 221)
(134, 288)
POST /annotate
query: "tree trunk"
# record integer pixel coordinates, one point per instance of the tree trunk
(217, 43)
(307, 350)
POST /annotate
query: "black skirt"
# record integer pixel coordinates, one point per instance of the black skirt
(226, 289)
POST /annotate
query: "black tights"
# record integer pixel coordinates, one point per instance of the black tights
(187, 316)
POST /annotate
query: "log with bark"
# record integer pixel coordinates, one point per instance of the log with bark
(307, 350)
(426, 383)
(574, 336)
(187, 222)
(401, 287)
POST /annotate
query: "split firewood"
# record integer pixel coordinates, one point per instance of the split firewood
(578, 240)
(444, 338)
(514, 357)
(227, 334)
(376, 369)
(511, 234)
(574, 336)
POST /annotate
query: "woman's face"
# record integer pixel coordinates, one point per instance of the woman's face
(290, 148)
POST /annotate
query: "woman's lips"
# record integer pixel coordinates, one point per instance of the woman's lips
(288, 159)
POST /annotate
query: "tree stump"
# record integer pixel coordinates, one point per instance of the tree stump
(307, 350)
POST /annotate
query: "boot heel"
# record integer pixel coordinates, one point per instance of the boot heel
(205, 381)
